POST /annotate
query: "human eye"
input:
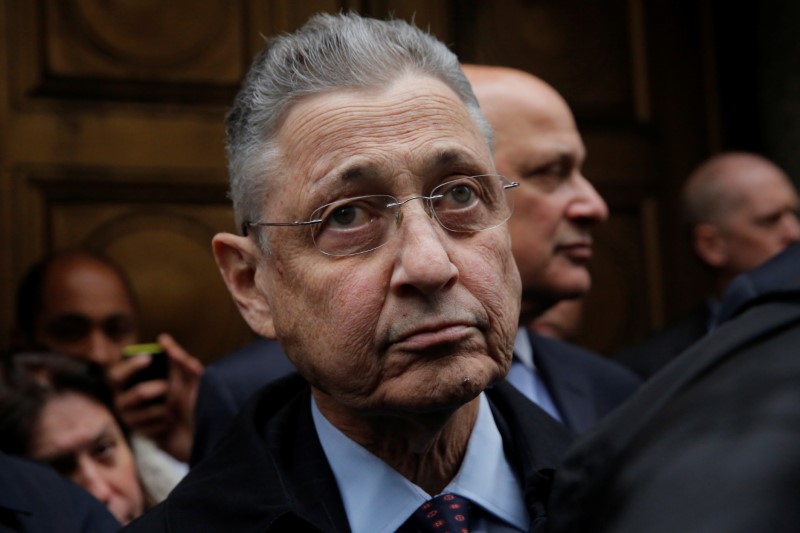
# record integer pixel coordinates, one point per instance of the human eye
(69, 328)
(771, 220)
(462, 194)
(470, 204)
(458, 194)
(352, 226)
(550, 175)
(346, 216)
(105, 449)
(349, 214)
(65, 465)
(118, 327)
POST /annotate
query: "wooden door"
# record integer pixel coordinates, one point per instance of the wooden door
(111, 136)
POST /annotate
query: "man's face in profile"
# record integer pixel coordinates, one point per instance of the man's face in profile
(425, 322)
(86, 311)
(764, 222)
(555, 208)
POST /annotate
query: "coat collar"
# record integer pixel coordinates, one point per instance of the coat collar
(283, 481)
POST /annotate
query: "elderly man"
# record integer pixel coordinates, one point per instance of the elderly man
(555, 210)
(741, 210)
(375, 249)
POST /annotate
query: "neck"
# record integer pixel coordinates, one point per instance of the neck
(426, 448)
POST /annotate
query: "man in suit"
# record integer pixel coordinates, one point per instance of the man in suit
(555, 210)
(227, 384)
(374, 246)
(34, 499)
(538, 145)
(710, 444)
(740, 210)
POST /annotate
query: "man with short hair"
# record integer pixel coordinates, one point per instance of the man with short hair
(78, 304)
(374, 246)
(740, 210)
(537, 144)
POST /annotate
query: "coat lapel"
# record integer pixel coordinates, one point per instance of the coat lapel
(567, 388)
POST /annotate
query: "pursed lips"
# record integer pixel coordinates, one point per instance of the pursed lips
(577, 250)
(428, 335)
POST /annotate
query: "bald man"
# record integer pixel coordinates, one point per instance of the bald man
(740, 210)
(537, 144)
(77, 304)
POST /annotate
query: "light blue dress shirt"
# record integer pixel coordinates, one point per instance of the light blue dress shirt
(527, 379)
(377, 499)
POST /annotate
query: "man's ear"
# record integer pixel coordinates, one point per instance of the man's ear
(238, 259)
(710, 245)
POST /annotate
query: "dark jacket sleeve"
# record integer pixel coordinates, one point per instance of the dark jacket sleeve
(34, 499)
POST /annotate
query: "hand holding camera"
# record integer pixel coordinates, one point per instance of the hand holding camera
(155, 394)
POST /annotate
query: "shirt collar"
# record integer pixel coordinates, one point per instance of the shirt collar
(374, 493)
(522, 348)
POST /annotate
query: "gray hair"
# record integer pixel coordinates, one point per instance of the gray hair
(330, 52)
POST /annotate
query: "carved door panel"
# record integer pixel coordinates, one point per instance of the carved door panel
(113, 139)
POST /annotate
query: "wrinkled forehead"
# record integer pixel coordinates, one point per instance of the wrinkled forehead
(413, 131)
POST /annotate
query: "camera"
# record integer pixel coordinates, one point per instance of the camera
(158, 367)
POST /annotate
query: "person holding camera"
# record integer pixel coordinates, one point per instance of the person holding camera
(79, 303)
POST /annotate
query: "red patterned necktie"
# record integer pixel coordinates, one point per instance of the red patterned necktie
(446, 513)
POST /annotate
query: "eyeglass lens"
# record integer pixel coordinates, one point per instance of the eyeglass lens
(358, 225)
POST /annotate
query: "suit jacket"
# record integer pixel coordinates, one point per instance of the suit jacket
(712, 443)
(34, 499)
(270, 472)
(650, 355)
(584, 386)
(226, 386)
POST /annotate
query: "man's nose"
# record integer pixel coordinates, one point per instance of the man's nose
(587, 206)
(101, 349)
(423, 260)
(791, 226)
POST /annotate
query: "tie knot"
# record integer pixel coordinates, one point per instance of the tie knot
(446, 513)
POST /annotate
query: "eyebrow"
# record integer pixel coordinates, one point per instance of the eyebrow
(450, 157)
(105, 431)
(368, 170)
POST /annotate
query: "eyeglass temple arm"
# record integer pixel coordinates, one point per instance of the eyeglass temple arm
(246, 224)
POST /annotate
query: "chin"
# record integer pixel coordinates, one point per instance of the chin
(574, 286)
(448, 389)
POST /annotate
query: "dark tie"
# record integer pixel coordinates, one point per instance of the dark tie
(446, 513)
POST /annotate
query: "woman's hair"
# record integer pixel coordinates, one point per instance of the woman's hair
(28, 381)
